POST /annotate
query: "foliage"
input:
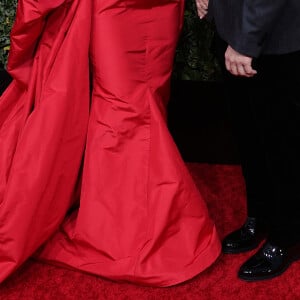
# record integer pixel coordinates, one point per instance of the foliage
(7, 15)
(194, 59)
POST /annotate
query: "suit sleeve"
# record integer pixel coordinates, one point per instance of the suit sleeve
(259, 17)
(24, 36)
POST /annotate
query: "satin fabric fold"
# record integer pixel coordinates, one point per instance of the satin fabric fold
(140, 217)
(43, 115)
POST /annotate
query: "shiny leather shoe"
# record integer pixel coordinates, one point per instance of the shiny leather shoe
(246, 238)
(270, 261)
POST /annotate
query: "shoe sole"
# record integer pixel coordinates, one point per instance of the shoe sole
(240, 250)
(252, 279)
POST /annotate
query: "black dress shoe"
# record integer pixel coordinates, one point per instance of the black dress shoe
(246, 238)
(270, 261)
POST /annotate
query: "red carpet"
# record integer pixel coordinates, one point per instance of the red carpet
(223, 189)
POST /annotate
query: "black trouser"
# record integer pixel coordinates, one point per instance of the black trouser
(265, 114)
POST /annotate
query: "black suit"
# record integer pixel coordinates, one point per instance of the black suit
(265, 109)
(253, 27)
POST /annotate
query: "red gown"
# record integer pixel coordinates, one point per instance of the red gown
(95, 182)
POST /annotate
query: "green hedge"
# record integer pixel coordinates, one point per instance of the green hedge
(7, 15)
(194, 59)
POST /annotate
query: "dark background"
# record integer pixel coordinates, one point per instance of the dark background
(199, 122)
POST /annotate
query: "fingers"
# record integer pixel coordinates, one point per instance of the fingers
(238, 64)
(202, 6)
(249, 70)
(240, 70)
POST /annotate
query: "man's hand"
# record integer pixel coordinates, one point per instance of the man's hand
(238, 64)
(202, 6)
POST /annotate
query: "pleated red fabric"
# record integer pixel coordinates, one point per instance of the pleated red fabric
(95, 181)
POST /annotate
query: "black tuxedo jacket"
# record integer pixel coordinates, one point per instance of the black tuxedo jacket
(254, 27)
